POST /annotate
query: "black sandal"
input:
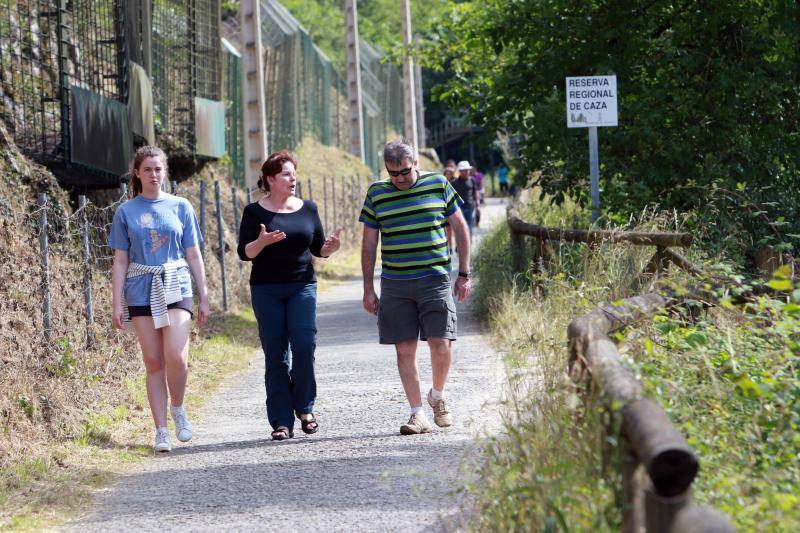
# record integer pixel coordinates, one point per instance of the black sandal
(282, 433)
(305, 423)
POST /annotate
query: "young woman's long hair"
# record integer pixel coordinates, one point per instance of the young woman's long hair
(141, 154)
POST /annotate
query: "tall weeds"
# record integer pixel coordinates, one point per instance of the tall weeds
(551, 469)
(727, 377)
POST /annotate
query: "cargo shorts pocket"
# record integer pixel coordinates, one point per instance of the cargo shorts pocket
(438, 319)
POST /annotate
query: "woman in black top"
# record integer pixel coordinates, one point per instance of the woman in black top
(279, 234)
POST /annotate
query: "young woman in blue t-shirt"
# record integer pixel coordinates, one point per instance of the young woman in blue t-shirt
(156, 242)
(279, 234)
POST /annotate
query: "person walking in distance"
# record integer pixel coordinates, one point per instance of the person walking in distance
(408, 212)
(156, 242)
(502, 178)
(279, 233)
(466, 188)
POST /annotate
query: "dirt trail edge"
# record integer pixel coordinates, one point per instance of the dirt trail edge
(357, 474)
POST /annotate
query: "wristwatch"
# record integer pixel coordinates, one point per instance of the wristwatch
(463, 275)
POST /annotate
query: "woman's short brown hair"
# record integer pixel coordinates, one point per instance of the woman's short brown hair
(274, 165)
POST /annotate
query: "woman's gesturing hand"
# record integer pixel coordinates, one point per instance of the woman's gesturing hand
(270, 237)
(332, 244)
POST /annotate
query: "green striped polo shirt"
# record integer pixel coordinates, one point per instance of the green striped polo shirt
(411, 222)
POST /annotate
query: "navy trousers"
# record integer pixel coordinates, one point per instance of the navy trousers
(287, 320)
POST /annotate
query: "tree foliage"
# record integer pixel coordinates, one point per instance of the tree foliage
(379, 23)
(709, 97)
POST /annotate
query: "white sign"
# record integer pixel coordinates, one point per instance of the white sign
(591, 101)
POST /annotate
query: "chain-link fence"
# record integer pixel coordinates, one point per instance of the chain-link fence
(307, 96)
(234, 111)
(79, 74)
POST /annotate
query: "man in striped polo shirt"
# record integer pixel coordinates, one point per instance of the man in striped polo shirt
(408, 211)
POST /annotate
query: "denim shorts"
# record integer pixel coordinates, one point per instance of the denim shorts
(412, 309)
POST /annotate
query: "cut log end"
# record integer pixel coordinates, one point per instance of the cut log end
(672, 471)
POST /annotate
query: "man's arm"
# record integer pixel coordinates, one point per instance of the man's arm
(463, 285)
(369, 250)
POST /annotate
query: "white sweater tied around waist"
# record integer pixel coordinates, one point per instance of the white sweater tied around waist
(165, 289)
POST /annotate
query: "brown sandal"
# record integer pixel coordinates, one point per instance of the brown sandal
(282, 433)
(304, 425)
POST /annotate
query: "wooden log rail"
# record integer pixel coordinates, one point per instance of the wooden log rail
(543, 253)
(658, 466)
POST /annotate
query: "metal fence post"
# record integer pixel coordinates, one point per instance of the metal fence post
(333, 202)
(235, 205)
(62, 34)
(221, 242)
(43, 250)
(249, 195)
(310, 197)
(344, 202)
(298, 187)
(203, 216)
(123, 188)
(87, 271)
(325, 200)
(353, 197)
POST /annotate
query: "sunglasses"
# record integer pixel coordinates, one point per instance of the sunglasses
(395, 173)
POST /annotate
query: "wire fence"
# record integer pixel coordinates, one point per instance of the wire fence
(78, 74)
(69, 79)
(73, 248)
(307, 96)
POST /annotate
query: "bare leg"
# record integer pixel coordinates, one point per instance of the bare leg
(176, 353)
(153, 357)
(440, 361)
(409, 374)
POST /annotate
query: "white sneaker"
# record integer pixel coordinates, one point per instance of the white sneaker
(162, 440)
(183, 428)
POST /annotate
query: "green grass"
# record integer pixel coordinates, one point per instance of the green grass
(730, 382)
(547, 471)
(47, 490)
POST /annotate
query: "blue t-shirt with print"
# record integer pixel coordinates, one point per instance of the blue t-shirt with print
(154, 232)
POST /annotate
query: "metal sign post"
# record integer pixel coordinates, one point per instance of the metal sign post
(592, 103)
(594, 172)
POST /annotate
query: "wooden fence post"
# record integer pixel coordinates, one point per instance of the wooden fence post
(516, 249)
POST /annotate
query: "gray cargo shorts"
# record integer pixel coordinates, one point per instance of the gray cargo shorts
(412, 309)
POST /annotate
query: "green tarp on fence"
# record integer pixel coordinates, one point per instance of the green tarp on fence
(209, 127)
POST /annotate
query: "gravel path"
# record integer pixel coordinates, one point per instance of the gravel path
(356, 474)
